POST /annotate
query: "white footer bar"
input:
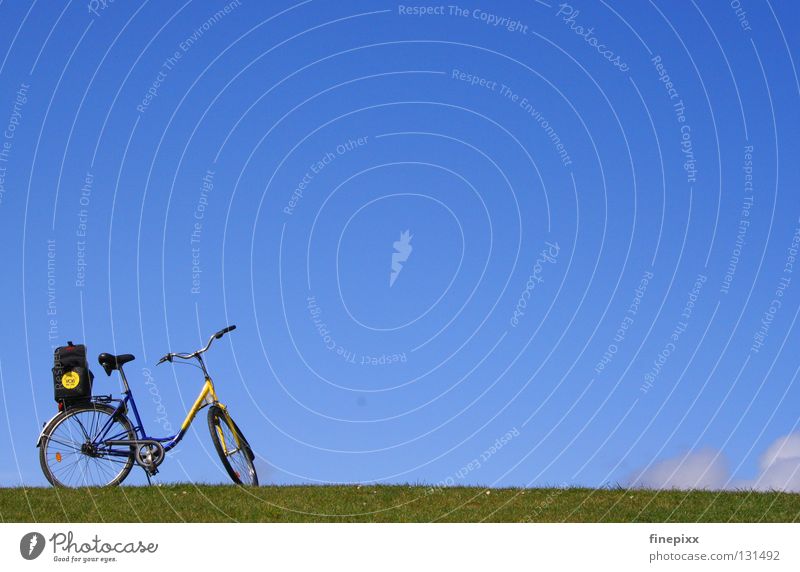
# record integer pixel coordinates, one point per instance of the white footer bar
(390, 547)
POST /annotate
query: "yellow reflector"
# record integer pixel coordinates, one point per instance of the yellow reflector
(58, 457)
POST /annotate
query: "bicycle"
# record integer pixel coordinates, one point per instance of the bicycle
(95, 443)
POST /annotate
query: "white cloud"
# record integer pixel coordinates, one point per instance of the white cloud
(704, 469)
(780, 465)
(779, 476)
(779, 469)
(782, 449)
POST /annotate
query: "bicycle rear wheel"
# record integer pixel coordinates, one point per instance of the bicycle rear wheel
(233, 449)
(70, 455)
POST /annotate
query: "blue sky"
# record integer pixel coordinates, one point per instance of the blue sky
(597, 285)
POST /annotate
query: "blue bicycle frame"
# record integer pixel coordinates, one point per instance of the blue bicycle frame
(208, 396)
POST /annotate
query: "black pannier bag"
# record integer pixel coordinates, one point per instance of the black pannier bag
(72, 380)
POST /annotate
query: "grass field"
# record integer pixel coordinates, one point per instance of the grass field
(202, 503)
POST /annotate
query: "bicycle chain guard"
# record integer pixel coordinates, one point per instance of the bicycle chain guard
(149, 455)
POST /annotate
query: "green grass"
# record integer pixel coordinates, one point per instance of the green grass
(203, 503)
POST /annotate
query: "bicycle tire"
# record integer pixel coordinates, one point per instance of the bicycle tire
(48, 436)
(243, 454)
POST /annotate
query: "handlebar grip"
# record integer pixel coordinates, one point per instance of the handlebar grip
(224, 331)
(167, 357)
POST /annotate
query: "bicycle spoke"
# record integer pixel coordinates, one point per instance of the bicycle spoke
(80, 423)
(97, 423)
(64, 467)
(101, 468)
(75, 446)
(116, 437)
(74, 467)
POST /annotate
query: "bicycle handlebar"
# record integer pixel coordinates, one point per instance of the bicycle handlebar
(216, 336)
(224, 331)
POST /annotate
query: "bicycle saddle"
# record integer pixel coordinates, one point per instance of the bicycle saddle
(110, 363)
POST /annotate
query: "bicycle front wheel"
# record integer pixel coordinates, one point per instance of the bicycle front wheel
(233, 449)
(72, 452)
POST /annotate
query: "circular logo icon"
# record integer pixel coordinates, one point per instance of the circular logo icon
(70, 380)
(31, 545)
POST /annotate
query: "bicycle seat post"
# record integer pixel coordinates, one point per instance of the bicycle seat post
(124, 379)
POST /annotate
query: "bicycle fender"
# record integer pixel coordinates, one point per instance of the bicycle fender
(46, 426)
(225, 411)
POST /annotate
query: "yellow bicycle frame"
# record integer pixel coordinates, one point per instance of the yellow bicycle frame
(202, 400)
(208, 396)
